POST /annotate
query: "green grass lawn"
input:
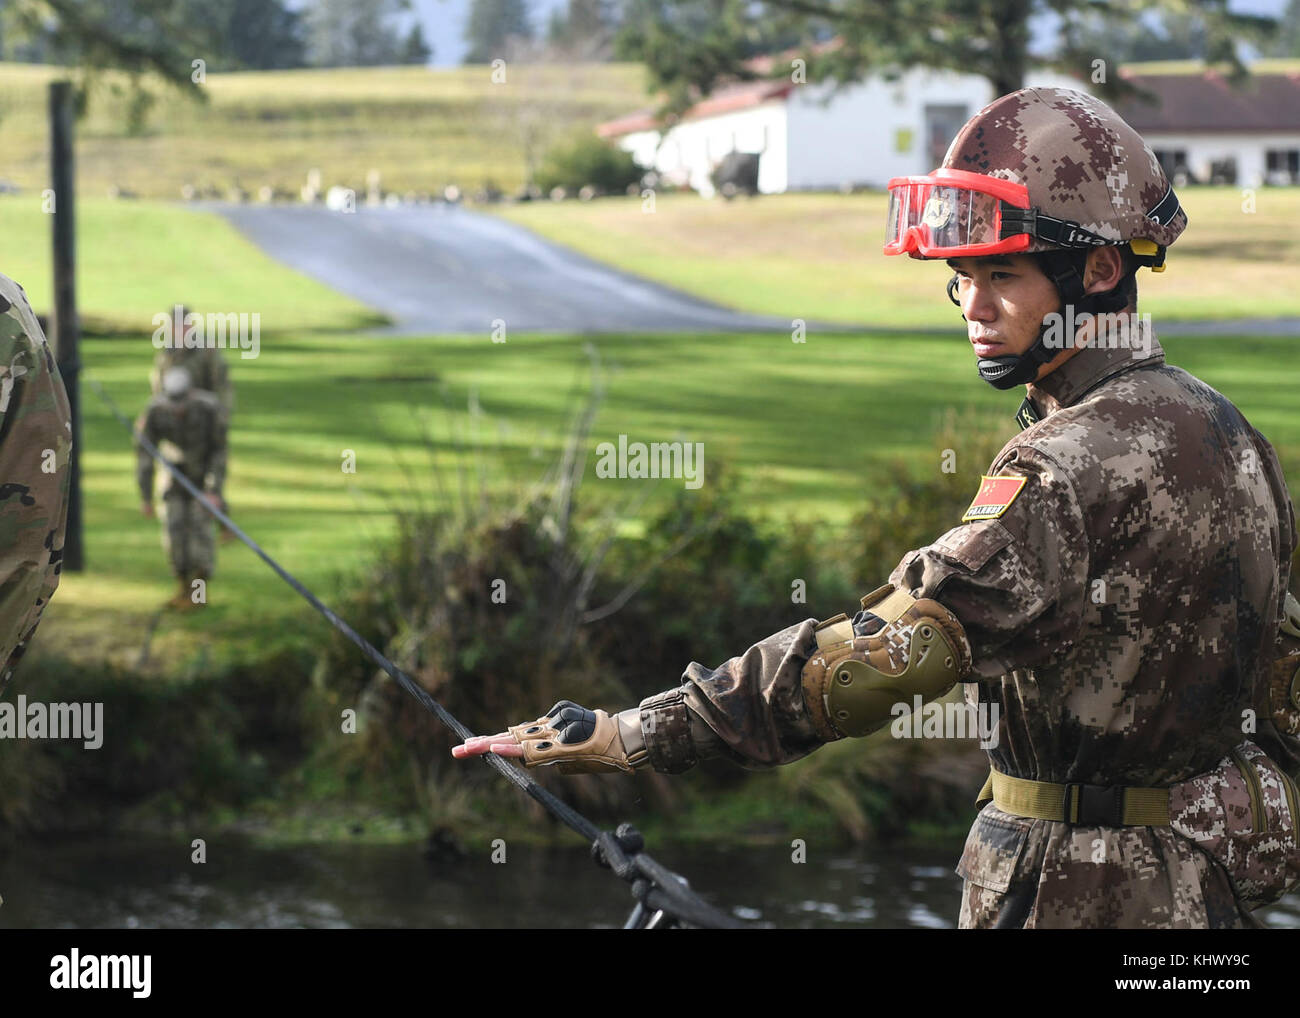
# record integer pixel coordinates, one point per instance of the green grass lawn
(421, 128)
(817, 256)
(813, 427)
(135, 259)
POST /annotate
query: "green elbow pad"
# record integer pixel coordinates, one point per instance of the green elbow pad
(852, 684)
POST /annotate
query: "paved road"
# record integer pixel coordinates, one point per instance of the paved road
(446, 269)
(1230, 327)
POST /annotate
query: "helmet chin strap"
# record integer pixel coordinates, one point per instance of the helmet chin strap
(1064, 269)
(1010, 370)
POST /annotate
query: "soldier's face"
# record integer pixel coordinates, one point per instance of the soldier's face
(1004, 299)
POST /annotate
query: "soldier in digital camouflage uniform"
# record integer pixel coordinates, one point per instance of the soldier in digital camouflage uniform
(206, 365)
(188, 426)
(35, 446)
(1116, 586)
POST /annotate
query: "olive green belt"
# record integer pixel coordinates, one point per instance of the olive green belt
(1087, 805)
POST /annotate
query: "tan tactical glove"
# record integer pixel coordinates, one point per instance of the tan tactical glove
(583, 741)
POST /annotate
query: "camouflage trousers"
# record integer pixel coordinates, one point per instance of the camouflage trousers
(187, 536)
(1039, 874)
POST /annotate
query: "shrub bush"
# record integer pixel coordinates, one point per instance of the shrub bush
(587, 160)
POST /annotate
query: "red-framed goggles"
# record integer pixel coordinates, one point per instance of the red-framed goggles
(955, 213)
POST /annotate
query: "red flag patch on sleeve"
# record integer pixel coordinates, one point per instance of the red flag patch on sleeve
(994, 497)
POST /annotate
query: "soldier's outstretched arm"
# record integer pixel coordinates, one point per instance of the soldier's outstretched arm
(215, 474)
(222, 387)
(143, 461)
(155, 373)
(35, 446)
(1003, 589)
(784, 697)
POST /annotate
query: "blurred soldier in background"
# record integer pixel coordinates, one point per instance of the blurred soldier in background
(188, 425)
(35, 446)
(206, 366)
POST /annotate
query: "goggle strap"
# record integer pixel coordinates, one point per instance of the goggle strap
(1066, 232)
(1061, 232)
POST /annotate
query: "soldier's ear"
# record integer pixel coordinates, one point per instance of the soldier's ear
(1103, 270)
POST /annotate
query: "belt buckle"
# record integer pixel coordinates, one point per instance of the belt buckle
(1070, 801)
(1097, 805)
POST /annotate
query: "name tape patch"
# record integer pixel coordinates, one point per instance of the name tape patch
(994, 497)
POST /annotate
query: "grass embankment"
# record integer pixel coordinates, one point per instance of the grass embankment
(421, 128)
(817, 256)
(811, 428)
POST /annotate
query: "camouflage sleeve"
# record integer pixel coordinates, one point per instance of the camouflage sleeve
(156, 372)
(144, 462)
(749, 709)
(1278, 696)
(215, 473)
(35, 446)
(1017, 582)
(1287, 539)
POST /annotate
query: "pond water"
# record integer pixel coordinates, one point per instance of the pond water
(123, 883)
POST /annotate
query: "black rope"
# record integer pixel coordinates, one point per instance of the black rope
(658, 887)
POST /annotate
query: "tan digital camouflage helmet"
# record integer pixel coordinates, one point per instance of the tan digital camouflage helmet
(1081, 164)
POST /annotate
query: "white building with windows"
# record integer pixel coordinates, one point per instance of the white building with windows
(1205, 130)
(814, 137)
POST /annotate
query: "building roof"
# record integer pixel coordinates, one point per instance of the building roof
(1200, 101)
(724, 99)
(1188, 97)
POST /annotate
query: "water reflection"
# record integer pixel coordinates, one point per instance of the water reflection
(116, 884)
